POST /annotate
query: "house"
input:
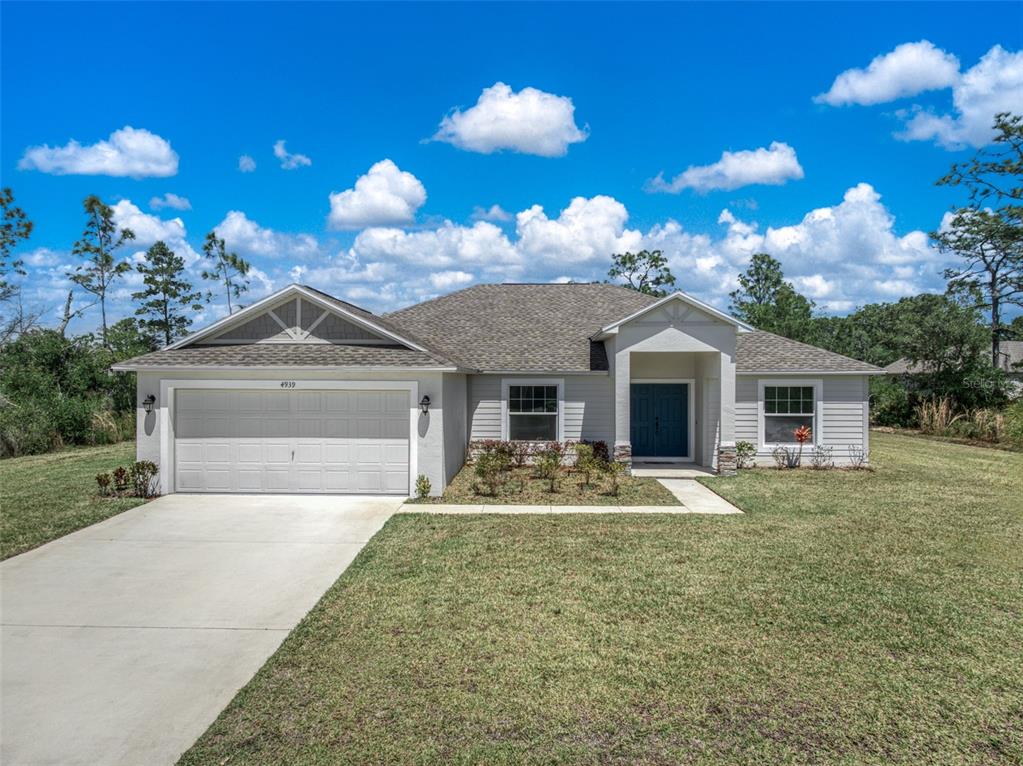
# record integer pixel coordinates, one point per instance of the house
(1010, 359)
(302, 392)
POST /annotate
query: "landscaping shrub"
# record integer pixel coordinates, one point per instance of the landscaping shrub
(103, 482)
(613, 471)
(745, 454)
(785, 457)
(936, 416)
(586, 461)
(601, 453)
(490, 469)
(122, 479)
(423, 486)
(547, 462)
(857, 457)
(890, 403)
(820, 457)
(142, 477)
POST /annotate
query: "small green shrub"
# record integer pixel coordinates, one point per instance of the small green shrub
(490, 469)
(142, 478)
(547, 462)
(745, 454)
(423, 486)
(613, 471)
(122, 479)
(585, 461)
(103, 482)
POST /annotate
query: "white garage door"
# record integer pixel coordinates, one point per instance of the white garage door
(291, 441)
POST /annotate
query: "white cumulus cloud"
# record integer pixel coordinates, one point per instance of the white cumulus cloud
(151, 228)
(529, 121)
(993, 85)
(250, 240)
(447, 280)
(772, 166)
(909, 69)
(132, 152)
(246, 164)
(288, 160)
(170, 200)
(494, 213)
(385, 196)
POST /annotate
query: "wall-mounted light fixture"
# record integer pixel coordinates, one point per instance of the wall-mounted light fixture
(148, 402)
(424, 404)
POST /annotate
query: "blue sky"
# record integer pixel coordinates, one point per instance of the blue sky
(561, 115)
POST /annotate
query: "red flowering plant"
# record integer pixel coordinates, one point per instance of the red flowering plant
(802, 435)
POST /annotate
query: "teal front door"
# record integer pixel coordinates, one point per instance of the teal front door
(660, 420)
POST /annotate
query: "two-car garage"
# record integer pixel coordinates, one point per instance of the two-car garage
(291, 440)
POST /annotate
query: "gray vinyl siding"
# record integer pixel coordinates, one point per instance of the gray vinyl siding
(453, 393)
(844, 413)
(587, 406)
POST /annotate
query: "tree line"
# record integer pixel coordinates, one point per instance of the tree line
(57, 390)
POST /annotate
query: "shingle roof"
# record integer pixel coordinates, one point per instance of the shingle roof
(284, 355)
(766, 352)
(527, 327)
(509, 327)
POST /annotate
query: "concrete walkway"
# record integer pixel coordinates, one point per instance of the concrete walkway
(695, 498)
(122, 642)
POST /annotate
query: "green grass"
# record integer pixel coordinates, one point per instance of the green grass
(847, 618)
(523, 487)
(43, 497)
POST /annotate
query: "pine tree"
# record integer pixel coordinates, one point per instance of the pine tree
(98, 243)
(227, 269)
(164, 304)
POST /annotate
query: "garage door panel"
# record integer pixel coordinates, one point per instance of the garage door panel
(291, 441)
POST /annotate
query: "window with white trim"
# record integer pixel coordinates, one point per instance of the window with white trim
(533, 412)
(787, 408)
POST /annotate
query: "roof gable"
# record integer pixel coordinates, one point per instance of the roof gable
(693, 305)
(297, 314)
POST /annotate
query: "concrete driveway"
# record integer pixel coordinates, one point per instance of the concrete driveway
(123, 641)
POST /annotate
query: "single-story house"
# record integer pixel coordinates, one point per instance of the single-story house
(302, 392)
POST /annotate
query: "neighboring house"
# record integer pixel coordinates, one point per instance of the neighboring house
(1010, 359)
(302, 392)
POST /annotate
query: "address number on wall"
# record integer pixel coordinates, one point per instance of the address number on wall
(287, 384)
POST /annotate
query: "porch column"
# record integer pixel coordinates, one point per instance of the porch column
(623, 376)
(726, 448)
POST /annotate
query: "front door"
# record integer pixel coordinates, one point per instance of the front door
(660, 420)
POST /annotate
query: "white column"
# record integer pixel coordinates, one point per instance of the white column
(727, 379)
(623, 376)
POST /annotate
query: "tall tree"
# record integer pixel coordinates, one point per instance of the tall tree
(766, 301)
(227, 269)
(987, 233)
(168, 294)
(14, 226)
(98, 243)
(646, 271)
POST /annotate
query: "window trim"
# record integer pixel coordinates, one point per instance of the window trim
(507, 383)
(818, 410)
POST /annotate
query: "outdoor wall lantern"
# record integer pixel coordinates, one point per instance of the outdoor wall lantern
(148, 402)
(424, 404)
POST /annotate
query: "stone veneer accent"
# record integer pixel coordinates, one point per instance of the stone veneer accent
(623, 453)
(727, 461)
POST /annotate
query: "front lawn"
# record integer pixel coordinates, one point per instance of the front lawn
(846, 618)
(521, 486)
(43, 497)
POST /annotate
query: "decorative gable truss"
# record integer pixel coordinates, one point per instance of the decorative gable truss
(298, 320)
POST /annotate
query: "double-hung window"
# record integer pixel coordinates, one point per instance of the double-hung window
(533, 412)
(786, 408)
